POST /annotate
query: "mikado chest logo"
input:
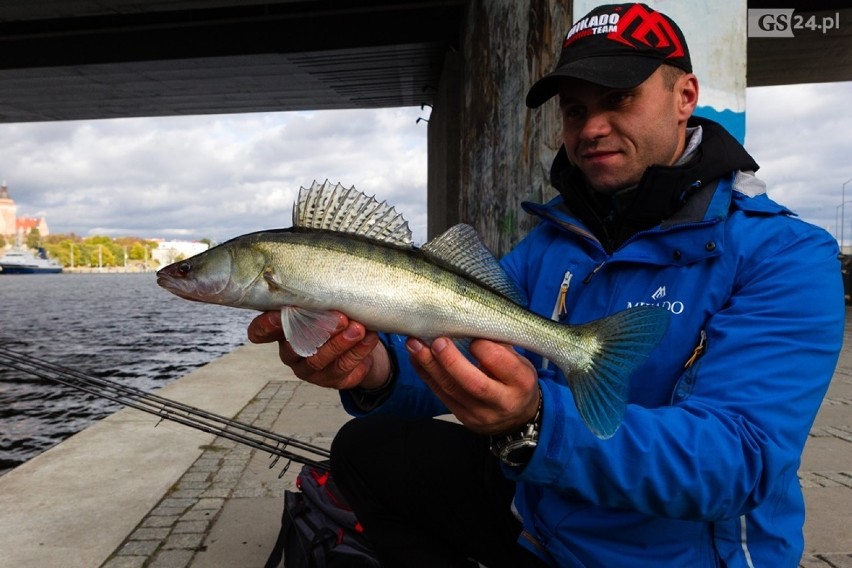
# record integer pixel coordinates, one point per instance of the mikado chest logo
(658, 298)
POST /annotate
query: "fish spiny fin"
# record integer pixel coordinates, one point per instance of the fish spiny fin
(306, 329)
(335, 208)
(461, 249)
(621, 342)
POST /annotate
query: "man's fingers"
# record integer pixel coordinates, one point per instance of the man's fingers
(266, 328)
(336, 346)
(447, 372)
(496, 396)
(502, 362)
(287, 355)
(342, 362)
(350, 359)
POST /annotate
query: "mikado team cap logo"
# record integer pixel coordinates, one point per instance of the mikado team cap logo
(638, 27)
(641, 26)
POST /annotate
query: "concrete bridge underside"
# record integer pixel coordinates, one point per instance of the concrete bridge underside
(84, 59)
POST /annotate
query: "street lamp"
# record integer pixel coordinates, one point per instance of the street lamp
(843, 211)
(836, 222)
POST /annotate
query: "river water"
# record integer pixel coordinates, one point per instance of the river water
(121, 327)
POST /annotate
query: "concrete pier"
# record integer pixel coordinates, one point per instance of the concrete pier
(130, 493)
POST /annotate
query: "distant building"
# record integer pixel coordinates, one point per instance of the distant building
(26, 225)
(8, 213)
(13, 227)
(168, 252)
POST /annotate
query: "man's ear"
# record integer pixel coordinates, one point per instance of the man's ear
(686, 88)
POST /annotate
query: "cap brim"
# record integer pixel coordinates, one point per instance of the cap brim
(617, 72)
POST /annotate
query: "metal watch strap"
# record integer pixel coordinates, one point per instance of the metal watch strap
(515, 449)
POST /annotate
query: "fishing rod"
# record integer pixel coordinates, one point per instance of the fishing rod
(167, 409)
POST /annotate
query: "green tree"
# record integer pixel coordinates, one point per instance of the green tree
(138, 251)
(57, 252)
(34, 238)
(103, 251)
(90, 251)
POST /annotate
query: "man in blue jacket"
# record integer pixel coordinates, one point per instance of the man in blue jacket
(654, 207)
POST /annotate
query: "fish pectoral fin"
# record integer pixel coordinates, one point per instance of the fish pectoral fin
(307, 329)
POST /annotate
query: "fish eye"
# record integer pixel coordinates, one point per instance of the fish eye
(184, 267)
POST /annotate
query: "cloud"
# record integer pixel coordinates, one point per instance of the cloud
(209, 176)
(801, 135)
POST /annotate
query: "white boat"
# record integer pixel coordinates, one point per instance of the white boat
(22, 261)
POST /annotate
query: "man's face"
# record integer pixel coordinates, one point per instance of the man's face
(613, 135)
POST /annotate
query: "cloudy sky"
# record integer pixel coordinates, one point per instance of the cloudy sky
(215, 176)
(221, 176)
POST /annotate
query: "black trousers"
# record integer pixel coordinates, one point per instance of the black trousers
(428, 493)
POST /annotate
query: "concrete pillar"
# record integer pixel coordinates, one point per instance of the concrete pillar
(444, 170)
(507, 149)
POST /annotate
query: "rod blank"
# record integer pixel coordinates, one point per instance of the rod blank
(277, 445)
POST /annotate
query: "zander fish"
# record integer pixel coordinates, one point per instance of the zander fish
(347, 252)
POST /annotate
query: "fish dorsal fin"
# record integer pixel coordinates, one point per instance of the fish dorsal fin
(335, 208)
(461, 248)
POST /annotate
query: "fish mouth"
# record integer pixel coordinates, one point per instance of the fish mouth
(177, 287)
(215, 291)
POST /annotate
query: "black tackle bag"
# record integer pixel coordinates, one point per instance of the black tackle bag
(318, 528)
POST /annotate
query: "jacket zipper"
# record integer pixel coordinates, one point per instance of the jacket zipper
(559, 308)
(699, 349)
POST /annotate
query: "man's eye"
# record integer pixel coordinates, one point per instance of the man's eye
(616, 99)
(573, 112)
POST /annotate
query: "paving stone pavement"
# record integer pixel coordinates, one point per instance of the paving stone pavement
(193, 524)
(225, 510)
(826, 474)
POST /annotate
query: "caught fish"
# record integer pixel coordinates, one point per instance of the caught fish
(349, 253)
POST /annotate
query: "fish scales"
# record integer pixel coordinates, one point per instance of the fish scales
(331, 272)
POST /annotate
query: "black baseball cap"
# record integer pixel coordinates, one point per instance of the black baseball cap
(616, 45)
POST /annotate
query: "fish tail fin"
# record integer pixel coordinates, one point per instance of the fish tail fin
(616, 346)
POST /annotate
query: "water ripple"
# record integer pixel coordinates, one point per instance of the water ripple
(117, 326)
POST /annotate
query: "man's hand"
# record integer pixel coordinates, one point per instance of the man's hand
(352, 357)
(499, 396)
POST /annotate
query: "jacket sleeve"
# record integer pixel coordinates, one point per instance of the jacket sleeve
(739, 417)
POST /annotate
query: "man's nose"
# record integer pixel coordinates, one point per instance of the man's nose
(596, 125)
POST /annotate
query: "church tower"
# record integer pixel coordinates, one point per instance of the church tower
(8, 214)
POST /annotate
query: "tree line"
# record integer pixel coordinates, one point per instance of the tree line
(99, 250)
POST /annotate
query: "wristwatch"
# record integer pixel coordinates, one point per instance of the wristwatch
(516, 448)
